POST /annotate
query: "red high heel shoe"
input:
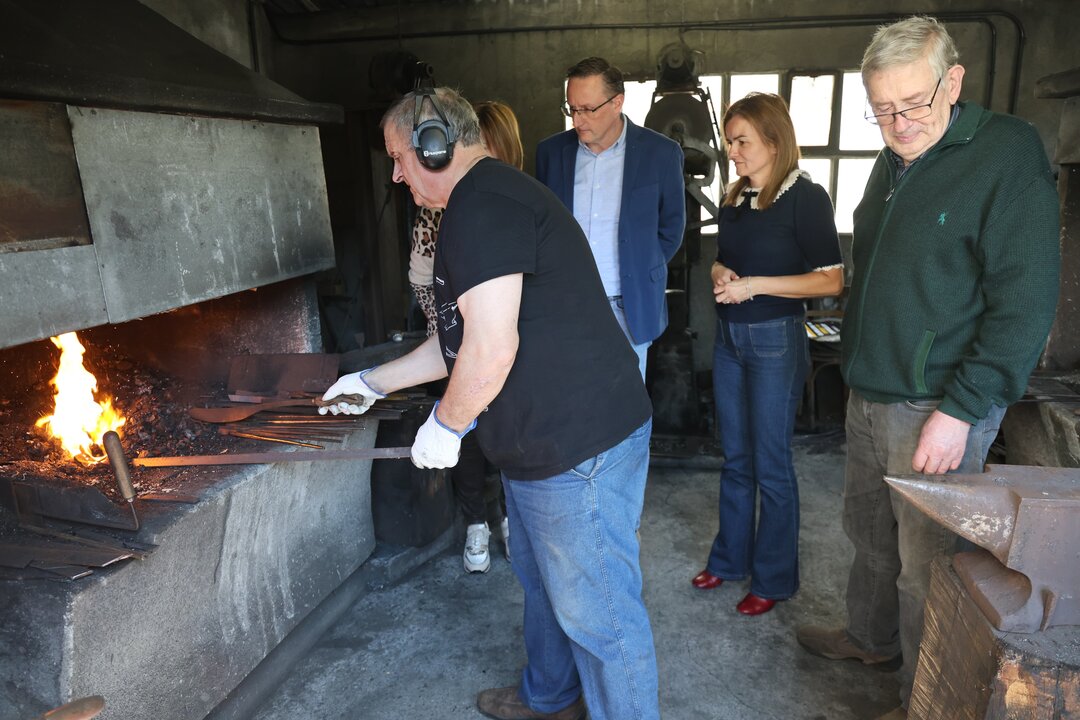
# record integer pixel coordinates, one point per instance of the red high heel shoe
(705, 580)
(754, 605)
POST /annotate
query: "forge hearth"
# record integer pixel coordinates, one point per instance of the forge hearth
(169, 204)
(156, 423)
(170, 635)
(154, 370)
(229, 569)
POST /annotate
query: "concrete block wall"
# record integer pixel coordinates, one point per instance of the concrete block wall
(170, 636)
(525, 68)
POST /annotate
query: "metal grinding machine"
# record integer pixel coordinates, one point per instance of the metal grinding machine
(683, 110)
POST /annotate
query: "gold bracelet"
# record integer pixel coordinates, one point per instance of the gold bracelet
(749, 291)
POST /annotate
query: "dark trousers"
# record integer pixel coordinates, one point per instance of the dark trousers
(470, 481)
(894, 542)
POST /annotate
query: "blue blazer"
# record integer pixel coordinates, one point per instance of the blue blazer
(651, 220)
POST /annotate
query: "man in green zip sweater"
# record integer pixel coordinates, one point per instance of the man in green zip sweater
(954, 289)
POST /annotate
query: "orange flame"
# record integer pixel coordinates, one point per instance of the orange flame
(78, 421)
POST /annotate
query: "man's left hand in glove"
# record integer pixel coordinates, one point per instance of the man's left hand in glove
(436, 445)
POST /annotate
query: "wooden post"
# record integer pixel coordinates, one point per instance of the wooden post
(968, 670)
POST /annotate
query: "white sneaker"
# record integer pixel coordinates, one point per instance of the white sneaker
(504, 528)
(476, 554)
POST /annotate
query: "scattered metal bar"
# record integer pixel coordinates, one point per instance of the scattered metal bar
(79, 504)
(301, 437)
(292, 427)
(245, 397)
(270, 438)
(81, 709)
(139, 551)
(173, 497)
(298, 425)
(297, 428)
(349, 421)
(67, 572)
(315, 442)
(45, 557)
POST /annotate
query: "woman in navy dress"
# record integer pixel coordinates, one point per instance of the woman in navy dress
(777, 245)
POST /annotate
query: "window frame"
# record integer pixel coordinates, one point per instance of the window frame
(832, 151)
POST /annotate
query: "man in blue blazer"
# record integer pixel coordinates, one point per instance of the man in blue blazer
(624, 185)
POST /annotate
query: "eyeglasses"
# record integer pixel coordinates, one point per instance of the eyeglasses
(918, 112)
(572, 111)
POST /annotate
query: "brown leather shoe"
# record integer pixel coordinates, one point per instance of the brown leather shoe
(834, 644)
(506, 704)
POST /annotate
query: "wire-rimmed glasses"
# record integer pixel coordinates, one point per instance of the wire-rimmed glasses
(572, 111)
(915, 112)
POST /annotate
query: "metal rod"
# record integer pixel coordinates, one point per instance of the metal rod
(89, 542)
(268, 438)
(276, 432)
(286, 432)
(391, 453)
(306, 437)
(344, 424)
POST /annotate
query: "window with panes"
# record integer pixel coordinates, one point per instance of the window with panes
(837, 144)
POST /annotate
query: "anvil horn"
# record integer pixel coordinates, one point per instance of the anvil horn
(983, 513)
(1029, 519)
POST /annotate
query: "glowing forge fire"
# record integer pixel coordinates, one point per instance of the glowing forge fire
(78, 421)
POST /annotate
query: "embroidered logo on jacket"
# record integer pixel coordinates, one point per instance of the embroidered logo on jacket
(941, 218)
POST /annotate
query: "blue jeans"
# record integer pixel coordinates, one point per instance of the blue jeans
(894, 542)
(758, 375)
(576, 554)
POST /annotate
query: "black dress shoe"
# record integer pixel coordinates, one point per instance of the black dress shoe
(705, 580)
(505, 704)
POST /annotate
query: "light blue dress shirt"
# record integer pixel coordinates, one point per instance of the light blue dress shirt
(598, 180)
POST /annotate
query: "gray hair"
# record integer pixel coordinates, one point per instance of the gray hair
(908, 41)
(456, 109)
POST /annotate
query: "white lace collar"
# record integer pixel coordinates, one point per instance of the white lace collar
(784, 186)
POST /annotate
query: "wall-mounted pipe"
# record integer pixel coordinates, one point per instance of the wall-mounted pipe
(308, 30)
(253, 34)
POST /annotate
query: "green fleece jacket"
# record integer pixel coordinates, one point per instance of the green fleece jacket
(955, 270)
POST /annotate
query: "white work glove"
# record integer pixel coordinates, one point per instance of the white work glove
(437, 446)
(363, 396)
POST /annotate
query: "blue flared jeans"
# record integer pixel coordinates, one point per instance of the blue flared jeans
(576, 554)
(758, 375)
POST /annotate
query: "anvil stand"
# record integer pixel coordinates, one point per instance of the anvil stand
(1000, 638)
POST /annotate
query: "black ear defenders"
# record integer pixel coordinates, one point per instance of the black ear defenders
(433, 140)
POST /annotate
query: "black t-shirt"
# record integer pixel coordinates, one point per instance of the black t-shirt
(574, 389)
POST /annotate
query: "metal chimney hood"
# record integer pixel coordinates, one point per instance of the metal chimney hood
(143, 170)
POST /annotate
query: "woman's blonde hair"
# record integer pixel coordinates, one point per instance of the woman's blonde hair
(768, 114)
(499, 128)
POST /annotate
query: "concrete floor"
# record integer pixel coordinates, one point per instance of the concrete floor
(424, 647)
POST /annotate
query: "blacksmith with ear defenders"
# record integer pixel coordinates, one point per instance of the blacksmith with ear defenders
(540, 369)
(955, 284)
